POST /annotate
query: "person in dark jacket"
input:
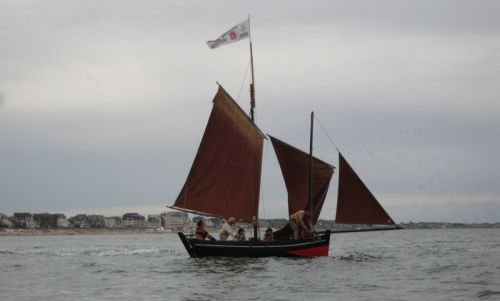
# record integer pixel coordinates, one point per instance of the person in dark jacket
(240, 236)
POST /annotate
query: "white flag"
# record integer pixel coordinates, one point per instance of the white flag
(238, 32)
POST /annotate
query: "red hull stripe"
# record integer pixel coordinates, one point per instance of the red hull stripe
(311, 252)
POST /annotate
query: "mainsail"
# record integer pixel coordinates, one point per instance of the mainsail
(355, 203)
(224, 179)
(294, 165)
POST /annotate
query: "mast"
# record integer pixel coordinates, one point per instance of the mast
(252, 83)
(252, 117)
(309, 195)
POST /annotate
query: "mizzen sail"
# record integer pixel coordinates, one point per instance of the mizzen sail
(294, 165)
(224, 179)
(355, 203)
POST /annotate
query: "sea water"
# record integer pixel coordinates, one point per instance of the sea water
(392, 265)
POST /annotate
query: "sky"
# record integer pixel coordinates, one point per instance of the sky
(103, 103)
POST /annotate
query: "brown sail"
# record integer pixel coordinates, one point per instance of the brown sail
(224, 179)
(355, 203)
(294, 165)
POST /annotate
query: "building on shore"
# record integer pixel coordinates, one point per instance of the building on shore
(5, 222)
(47, 220)
(23, 220)
(134, 220)
(175, 220)
(79, 221)
(214, 222)
(113, 222)
(323, 224)
(154, 221)
(276, 223)
(96, 221)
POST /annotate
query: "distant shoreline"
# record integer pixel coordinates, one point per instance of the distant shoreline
(117, 231)
(79, 231)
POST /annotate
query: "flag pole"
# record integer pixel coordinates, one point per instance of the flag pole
(252, 117)
(252, 83)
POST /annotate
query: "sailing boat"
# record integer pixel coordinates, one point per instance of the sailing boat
(224, 180)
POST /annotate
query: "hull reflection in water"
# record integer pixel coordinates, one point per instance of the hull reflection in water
(317, 245)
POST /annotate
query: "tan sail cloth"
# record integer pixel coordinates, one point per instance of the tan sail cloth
(294, 165)
(355, 203)
(224, 179)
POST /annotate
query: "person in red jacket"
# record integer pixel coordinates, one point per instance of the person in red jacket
(201, 233)
(268, 236)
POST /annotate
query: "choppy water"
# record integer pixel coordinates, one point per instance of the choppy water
(393, 265)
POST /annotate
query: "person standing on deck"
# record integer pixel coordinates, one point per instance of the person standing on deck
(227, 231)
(300, 223)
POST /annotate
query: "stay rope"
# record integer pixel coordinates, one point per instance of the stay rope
(326, 133)
(243, 82)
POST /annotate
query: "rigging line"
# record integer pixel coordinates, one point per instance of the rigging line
(325, 131)
(243, 82)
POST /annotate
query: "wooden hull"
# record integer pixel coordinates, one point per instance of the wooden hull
(317, 246)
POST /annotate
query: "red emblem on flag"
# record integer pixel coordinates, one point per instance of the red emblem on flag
(232, 35)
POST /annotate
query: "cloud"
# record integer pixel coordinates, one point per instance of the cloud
(2, 99)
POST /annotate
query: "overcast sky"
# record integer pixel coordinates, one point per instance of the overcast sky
(103, 103)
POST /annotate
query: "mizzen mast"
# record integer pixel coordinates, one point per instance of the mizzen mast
(309, 180)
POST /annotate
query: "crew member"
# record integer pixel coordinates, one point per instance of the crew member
(201, 233)
(300, 223)
(227, 231)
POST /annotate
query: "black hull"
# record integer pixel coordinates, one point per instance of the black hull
(313, 247)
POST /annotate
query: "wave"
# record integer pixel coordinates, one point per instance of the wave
(359, 257)
(119, 271)
(88, 252)
(487, 293)
(441, 268)
(120, 252)
(98, 271)
(128, 252)
(484, 274)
